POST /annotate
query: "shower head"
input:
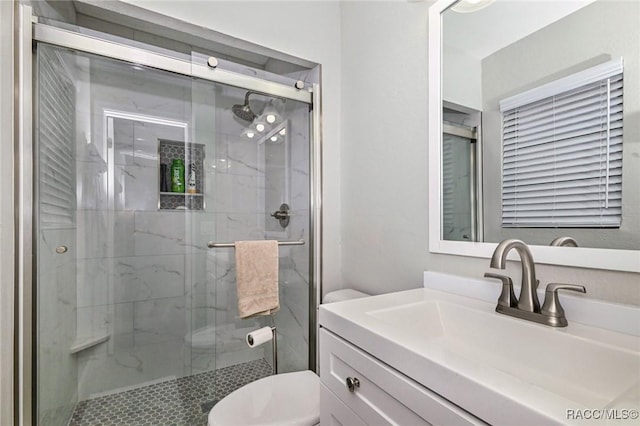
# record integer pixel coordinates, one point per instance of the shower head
(244, 112)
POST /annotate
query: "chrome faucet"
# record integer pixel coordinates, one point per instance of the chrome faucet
(528, 292)
(528, 305)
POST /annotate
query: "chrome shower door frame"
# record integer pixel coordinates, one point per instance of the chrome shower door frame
(30, 31)
(115, 50)
(24, 393)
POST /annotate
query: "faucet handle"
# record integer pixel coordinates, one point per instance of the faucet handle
(552, 308)
(507, 297)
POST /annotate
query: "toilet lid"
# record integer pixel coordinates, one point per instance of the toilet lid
(284, 399)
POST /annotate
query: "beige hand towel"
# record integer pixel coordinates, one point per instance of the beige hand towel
(257, 277)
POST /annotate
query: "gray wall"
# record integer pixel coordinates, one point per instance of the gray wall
(384, 152)
(577, 42)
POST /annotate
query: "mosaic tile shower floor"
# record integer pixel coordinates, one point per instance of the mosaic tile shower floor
(183, 401)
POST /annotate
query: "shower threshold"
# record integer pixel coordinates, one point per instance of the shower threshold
(183, 401)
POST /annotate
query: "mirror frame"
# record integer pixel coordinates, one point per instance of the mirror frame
(583, 257)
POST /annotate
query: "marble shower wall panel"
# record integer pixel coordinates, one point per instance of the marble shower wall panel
(92, 288)
(130, 365)
(170, 232)
(135, 187)
(144, 278)
(123, 324)
(239, 226)
(237, 154)
(159, 320)
(92, 321)
(236, 193)
(94, 232)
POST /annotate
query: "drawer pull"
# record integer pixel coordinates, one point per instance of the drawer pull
(353, 383)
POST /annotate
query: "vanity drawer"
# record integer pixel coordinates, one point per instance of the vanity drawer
(334, 412)
(384, 396)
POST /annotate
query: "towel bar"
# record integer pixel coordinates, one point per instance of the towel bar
(211, 244)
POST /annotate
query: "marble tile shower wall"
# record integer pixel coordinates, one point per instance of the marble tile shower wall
(145, 276)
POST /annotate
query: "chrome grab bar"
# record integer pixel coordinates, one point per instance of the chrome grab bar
(211, 244)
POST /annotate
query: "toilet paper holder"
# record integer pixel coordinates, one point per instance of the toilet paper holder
(274, 338)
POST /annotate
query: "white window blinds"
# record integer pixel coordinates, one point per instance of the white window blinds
(562, 152)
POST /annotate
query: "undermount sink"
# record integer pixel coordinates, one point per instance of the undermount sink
(576, 367)
(503, 370)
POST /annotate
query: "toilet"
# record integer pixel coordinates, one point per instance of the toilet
(284, 399)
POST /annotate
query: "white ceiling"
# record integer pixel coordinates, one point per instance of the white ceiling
(481, 33)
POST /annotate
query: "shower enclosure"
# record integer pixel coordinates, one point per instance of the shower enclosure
(134, 315)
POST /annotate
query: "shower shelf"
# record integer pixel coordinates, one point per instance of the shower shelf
(88, 342)
(189, 153)
(182, 194)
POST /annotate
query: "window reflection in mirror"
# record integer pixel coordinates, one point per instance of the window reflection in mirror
(511, 48)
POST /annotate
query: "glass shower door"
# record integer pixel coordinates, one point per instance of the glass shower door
(136, 317)
(256, 166)
(117, 255)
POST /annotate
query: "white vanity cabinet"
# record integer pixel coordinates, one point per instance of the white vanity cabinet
(379, 394)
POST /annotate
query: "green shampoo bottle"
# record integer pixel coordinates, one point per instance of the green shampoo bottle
(177, 175)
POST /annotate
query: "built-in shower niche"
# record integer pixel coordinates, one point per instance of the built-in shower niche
(190, 154)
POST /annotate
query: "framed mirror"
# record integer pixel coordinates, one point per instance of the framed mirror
(534, 131)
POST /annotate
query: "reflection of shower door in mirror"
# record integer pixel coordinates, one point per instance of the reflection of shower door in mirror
(458, 185)
(130, 301)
